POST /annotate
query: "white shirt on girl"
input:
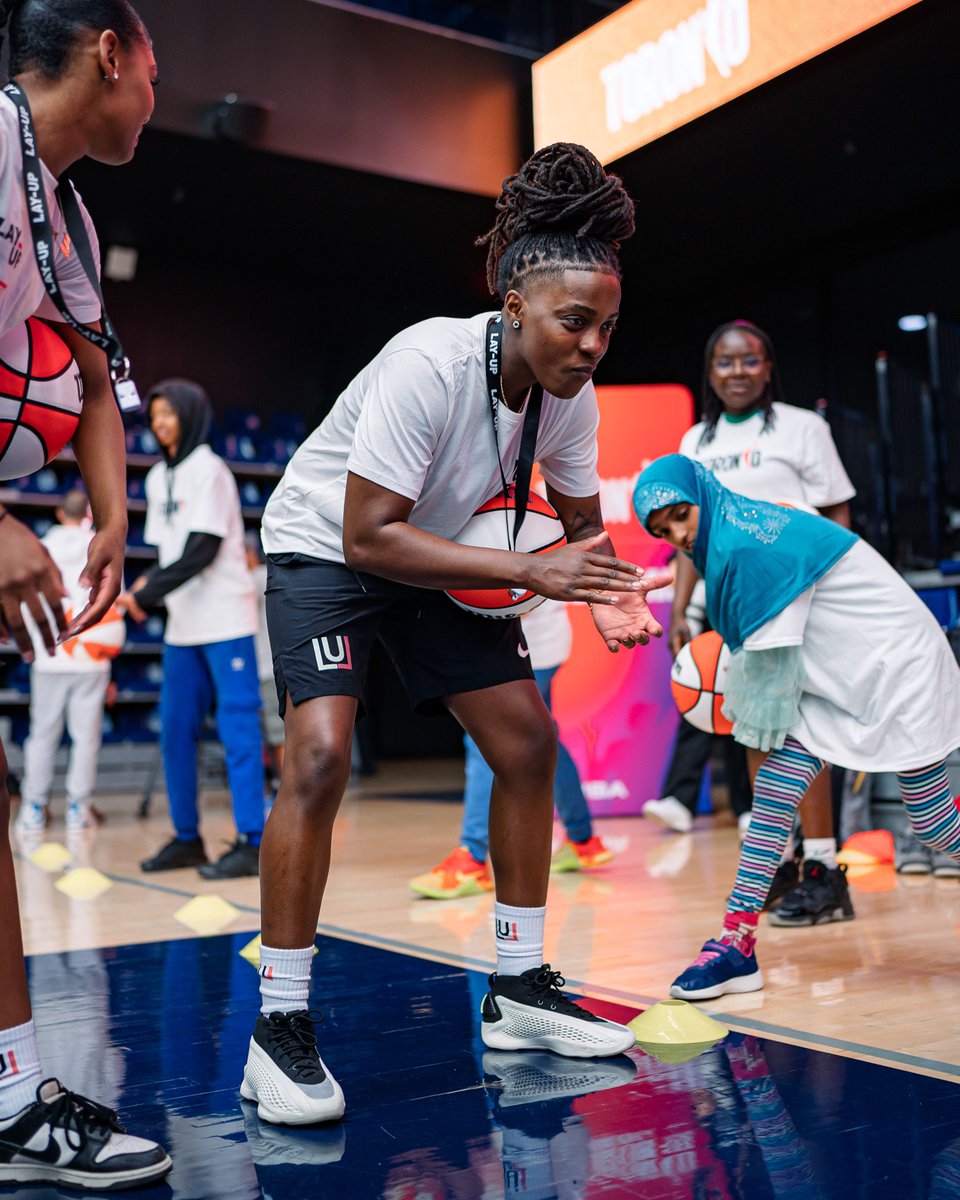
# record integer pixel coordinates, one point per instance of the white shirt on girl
(793, 460)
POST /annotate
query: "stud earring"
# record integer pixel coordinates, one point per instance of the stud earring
(116, 75)
(516, 324)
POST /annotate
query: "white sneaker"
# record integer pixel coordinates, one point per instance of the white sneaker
(286, 1076)
(79, 816)
(31, 817)
(529, 1012)
(669, 812)
(743, 824)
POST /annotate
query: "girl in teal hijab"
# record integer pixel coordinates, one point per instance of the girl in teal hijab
(833, 659)
(755, 557)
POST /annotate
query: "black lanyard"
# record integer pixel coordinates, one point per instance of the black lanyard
(531, 423)
(124, 388)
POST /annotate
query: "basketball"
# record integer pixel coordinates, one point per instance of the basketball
(41, 394)
(491, 527)
(697, 679)
(101, 641)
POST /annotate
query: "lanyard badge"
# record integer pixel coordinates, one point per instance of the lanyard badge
(125, 390)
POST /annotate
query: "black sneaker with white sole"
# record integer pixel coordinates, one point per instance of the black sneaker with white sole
(66, 1139)
(286, 1076)
(530, 1012)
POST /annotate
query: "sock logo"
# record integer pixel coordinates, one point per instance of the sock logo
(507, 931)
(8, 1064)
(266, 972)
(332, 653)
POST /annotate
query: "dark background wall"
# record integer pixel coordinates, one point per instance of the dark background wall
(822, 205)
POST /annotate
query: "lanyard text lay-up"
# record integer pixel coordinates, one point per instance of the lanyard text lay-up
(531, 423)
(124, 388)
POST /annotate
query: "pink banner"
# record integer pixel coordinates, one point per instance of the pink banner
(614, 711)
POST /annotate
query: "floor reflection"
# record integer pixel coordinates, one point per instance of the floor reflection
(161, 1031)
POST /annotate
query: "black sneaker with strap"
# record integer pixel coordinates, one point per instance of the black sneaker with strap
(66, 1139)
(822, 896)
(530, 1012)
(285, 1074)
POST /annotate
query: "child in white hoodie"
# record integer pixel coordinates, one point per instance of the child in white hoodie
(64, 690)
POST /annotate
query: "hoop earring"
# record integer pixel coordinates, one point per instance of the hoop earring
(516, 324)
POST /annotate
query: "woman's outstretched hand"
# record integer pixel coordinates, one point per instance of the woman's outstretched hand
(630, 622)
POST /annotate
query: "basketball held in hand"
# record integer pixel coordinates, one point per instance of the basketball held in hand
(41, 394)
(697, 682)
(491, 527)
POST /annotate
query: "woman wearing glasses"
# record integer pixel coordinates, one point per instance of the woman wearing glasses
(757, 445)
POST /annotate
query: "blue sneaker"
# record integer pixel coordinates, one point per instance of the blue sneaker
(718, 969)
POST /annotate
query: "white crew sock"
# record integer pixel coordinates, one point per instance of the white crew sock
(284, 979)
(519, 938)
(822, 849)
(19, 1068)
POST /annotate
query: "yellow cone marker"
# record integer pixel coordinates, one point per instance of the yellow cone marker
(207, 914)
(85, 883)
(675, 1031)
(51, 856)
(251, 952)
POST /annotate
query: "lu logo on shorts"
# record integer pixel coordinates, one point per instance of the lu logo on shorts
(332, 653)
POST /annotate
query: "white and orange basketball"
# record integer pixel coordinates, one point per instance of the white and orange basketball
(697, 681)
(101, 641)
(41, 394)
(491, 527)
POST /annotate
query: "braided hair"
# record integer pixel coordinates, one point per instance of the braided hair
(712, 404)
(43, 32)
(560, 210)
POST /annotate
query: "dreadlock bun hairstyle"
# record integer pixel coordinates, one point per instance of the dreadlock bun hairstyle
(712, 404)
(561, 210)
(43, 33)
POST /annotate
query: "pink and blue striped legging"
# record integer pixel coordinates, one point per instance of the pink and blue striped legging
(780, 785)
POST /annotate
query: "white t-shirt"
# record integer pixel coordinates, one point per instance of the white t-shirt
(416, 420)
(794, 460)
(882, 688)
(199, 495)
(22, 293)
(67, 545)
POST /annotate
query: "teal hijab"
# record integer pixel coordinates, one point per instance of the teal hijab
(755, 557)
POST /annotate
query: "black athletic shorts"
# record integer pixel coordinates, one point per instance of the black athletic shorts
(323, 619)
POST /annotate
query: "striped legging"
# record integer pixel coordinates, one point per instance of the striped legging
(780, 785)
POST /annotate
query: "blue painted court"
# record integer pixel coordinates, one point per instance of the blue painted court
(160, 1030)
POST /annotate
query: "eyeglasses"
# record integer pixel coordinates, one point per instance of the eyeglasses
(750, 364)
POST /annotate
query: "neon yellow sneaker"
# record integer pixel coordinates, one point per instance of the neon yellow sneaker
(580, 856)
(458, 875)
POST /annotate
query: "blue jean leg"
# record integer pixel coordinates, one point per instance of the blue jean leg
(568, 795)
(185, 700)
(233, 666)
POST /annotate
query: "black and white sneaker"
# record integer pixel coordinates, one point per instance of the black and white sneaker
(67, 1139)
(529, 1012)
(285, 1075)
